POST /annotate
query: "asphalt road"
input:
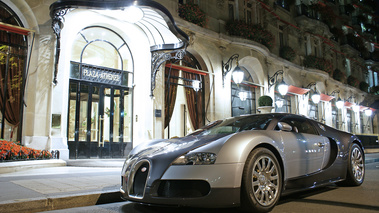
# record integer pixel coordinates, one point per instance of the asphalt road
(362, 199)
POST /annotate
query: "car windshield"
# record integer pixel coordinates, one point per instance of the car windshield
(236, 124)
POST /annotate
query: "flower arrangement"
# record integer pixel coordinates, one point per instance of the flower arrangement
(191, 12)
(252, 32)
(287, 53)
(13, 151)
(339, 75)
(318, 63)
(353, 81)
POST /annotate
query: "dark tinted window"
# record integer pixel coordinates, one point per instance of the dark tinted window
(300, 125)
(238, 124)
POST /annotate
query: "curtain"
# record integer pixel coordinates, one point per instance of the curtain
(171, 85)
(12, 59)
(194, 102)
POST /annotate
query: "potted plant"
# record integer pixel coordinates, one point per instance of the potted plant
(265, 104)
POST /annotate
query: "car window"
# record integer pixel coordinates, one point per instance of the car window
(300, 125)
(237, 124)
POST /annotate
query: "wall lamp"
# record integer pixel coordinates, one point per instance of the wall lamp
(282, 87)
(315, 96)
(368, 112)
(196, 85)
(238, 73)
(339, 103)
(355, 106)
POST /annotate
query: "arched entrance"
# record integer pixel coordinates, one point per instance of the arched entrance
(13, 57)
(182, 99)
(100, 95)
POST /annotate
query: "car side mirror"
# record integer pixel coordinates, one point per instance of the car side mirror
(285, 126)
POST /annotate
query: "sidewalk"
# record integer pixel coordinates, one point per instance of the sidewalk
(66, 184)
(44, 185)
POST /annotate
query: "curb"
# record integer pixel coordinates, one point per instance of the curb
(61, 202)
(32, 164)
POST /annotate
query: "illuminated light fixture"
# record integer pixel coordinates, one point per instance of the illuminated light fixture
(130, 14)
(340, 103)
(282, 87)
(356, 108)
(279, 103)
(368, 112)
(316, 97)
(243, 95)
(238, 73)
(196, 85)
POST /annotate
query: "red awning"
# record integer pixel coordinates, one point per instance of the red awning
(348, 104)
(14, 29)
(326, 98)
(187, 69)
(297, 90)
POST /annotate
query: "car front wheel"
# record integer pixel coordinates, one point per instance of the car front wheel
(356, 166)
(261, 181)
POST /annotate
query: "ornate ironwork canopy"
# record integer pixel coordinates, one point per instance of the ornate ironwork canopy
(155, 21)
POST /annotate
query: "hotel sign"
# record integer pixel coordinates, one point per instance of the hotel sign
(99, 74)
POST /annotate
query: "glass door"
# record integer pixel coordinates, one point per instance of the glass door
(99, 124)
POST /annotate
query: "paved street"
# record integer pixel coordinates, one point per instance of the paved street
(362, 199)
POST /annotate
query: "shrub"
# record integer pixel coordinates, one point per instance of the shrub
(191, 12)
(265, 100)
(318, 63)
(352, 81)
(287, 53)
(252, 32)
(339, 75)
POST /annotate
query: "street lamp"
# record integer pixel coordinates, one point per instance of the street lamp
(282, 87)
(368, 112)
(315, 96)
(339, 102)
(238, 73)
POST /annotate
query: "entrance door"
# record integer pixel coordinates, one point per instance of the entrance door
(99, 120)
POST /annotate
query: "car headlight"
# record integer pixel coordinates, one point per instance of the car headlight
(200, 158)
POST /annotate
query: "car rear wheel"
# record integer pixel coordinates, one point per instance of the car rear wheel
(356, 167)
(261, 181)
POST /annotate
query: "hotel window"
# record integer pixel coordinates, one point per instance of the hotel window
(231, 10)
(283, 3)
(282, 103)
(281, 36)
(349, 122)
(313, 110)
(348, 68)
(334, 114)
(247, 12)
(243, 96)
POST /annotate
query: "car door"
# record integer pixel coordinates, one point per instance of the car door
(303, 147)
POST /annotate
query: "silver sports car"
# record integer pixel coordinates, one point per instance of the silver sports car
(247, 161)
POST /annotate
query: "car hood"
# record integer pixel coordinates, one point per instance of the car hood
(161, 153)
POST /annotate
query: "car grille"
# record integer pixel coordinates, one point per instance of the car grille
(139, 177)
(183, 188)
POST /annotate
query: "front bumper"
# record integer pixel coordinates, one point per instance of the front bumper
(216, 185)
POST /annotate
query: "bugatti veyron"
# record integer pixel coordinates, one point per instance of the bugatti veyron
(247, 161)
